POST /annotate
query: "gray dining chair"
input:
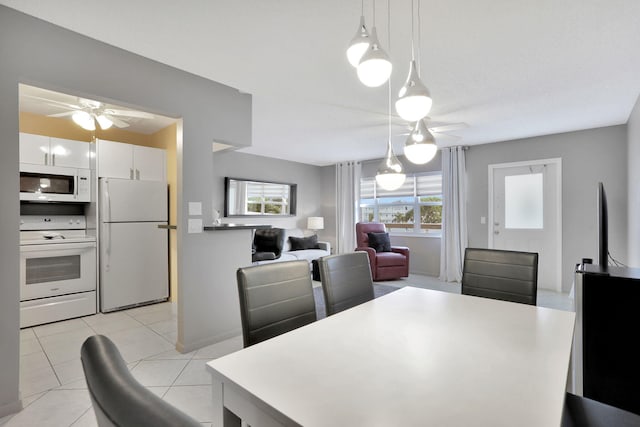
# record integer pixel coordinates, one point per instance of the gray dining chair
(346, 281)
(499, 274)
(118, 398)
(579, 411)
(274, 298)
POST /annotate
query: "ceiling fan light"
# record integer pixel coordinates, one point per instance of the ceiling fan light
(84, 120)
(414, 100)
(420, 147)
(390, 174)
(104, 122)
(375, 67)
(358, 45)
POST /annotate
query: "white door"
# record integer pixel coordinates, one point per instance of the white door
(115, 160)
(34, 149)
(70, 153)
(525, 214)
(133, 264)
(149, 163)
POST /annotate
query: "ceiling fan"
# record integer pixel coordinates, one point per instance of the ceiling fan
(87, 113)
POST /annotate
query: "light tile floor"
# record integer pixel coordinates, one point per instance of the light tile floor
(52, 383)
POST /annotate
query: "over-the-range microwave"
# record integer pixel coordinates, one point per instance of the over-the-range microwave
(54, 183)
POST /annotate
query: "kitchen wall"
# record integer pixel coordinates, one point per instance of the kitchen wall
(588, 157)
(164, 138)
(633, 167)
(37, 53)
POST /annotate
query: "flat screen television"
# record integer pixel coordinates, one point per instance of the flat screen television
(603, 228)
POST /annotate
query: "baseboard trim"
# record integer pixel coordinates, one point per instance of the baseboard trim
(10, 408)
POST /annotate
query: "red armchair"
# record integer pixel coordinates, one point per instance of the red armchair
(384, 265)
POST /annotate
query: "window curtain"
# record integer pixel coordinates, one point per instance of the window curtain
(454, 214)
(347, 199)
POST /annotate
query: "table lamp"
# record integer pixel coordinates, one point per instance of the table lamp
(315, 223)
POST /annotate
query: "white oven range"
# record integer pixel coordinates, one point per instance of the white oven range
(57, 269)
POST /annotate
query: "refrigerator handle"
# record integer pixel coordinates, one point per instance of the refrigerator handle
(106, 201)
(107, 252)
(130, 173)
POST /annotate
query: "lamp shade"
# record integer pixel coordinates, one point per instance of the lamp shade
(414, 100)
(375, 67)
(420, 146)
(84, 120)
(390, 174)
(358, 45)
(315, 223)
(104, 122)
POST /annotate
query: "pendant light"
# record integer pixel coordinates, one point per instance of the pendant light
(374, 68)
(414, 100)
(390, 174)
(359, 43)
(420, 146)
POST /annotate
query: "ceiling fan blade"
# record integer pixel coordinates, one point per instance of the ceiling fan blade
(116, 121)
(448, 127)
(446, 137)
(53, 101)
(66, 113)
(129, 113)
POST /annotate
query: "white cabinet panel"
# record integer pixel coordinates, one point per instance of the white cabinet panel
(34, 149)
(115, 160)
(149, 163)
(70, 153)
(128, 161)
(44, 150)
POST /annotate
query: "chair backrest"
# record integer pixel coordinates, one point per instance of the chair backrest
(581, 411)
(498, 274)
(118, 398)
(346, 280)
(274, 298)
(362, 228)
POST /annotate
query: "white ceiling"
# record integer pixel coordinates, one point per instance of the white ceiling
(507, 68)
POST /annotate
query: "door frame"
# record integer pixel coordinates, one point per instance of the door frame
(557, 161)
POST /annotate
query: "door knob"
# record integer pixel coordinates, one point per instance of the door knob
(496, 223)
(496, 231)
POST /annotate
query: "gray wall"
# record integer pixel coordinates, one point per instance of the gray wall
(633, 159)
(588, 157)
(41, 54)
(310, 190)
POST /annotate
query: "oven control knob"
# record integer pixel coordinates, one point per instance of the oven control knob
(70, 221)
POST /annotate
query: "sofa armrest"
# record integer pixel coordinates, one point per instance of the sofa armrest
(324, 246)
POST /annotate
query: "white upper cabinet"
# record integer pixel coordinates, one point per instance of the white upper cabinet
(128, 161)
(44, 150)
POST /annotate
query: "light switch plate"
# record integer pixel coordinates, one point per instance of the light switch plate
(483, 220)
(195, 208)
(195, 225)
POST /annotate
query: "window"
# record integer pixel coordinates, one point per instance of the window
(415, 207)
(266, 198)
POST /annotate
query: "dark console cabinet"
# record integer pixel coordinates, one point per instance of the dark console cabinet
(606, 355)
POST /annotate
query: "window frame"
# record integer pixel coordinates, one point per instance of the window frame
(374, 204)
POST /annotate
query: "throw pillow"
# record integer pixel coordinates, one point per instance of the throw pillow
(380, 242)
(302, 243)
(268, 240)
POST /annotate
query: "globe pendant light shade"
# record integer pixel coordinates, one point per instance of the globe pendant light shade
(414, 100)
(390, 174)
(104, 122)
(421, 146)
(375, 67)
(358, 45)
(84, 120)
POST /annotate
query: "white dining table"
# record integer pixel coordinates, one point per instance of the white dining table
(413, 357)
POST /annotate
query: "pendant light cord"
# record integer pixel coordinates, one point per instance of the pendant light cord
(413, 32)
(419, 64)
(389, 41)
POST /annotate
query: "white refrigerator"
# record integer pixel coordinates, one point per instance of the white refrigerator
(134, 252)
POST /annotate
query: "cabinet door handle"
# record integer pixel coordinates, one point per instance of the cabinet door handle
(130, 173)
(138, 174)
(46, 158)
(53, 159)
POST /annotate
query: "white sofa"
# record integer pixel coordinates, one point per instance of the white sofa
(305, 254)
